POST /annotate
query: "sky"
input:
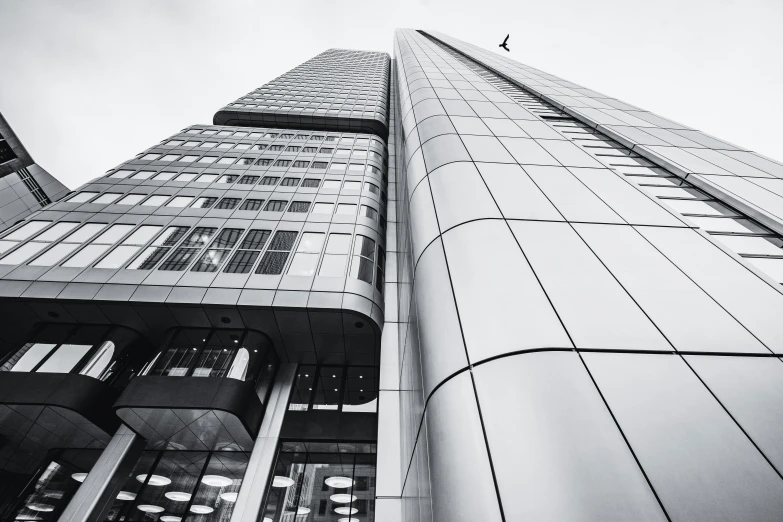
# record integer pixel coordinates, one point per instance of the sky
(89, 84)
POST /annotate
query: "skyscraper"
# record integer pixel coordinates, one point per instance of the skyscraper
(561, 307)
(24, 186)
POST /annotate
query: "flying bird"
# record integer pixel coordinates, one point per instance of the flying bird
(503, 45)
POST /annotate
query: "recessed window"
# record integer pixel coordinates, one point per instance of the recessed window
(269, 180)
(248, 180)
(356, 167)
(226, 161)
(150, 157)
(186, 177)
(245, 161)
(276, 256)
(192, 143)
(170, 157)
(173, 143)
(299, 206)
(252, 204)
(275, 205)
(352, 185)
(144, 174)
(155, 201)
(207, 178)
(204, 202)
(227, 203)
(159, 248)
(164, 176)
(180, 201)
(290, 182)
(121, 174)
(131, 199)
(208, 144)
(264, 162)
(107, 198)
(229, 178)
(346, 209)
(242, 146)
(188, 159)
(208, 159)
(81, 197)
(323, 208)
(282, 163)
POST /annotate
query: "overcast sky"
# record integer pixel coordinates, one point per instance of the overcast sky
(87, 85)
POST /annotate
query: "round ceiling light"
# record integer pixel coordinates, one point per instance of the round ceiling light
(218, 481)
(282, 482)
(149, 508)
(339, 482)
(155, 480)
(79, 477)
(342, 498)
(346, 519)
(170, 518)
(267, 519)
(43, 508)
(344, 510)
(178, 496)
(229, 497)
(301, 510)
(201, 510)
(126, 495)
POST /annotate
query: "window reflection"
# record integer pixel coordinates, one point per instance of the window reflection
(322, 482)
(191, 485)
(44, 495)
(348, 389)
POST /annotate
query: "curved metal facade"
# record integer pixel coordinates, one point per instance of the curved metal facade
(570, 347)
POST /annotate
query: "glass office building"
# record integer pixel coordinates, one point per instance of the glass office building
(25, 187)
(442, 286)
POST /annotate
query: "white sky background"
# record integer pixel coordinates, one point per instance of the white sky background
(87, 85)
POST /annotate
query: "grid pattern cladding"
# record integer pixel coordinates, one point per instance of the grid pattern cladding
(338, 90)
(287, 217)
(748, 180)
(562, 323)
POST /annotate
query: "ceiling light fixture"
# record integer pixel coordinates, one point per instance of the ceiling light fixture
(155, 480)
(201, 510)
(43, 508)
(282, 482)
(170, 518)
(79, 477)
(126, 495)
(344, 510)
(339, 482)
(217, 481)
(178, 496)
(342, 498)
(229, 497)
(149, 508)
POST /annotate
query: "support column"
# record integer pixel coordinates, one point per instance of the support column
(259, 469)
(95, 496)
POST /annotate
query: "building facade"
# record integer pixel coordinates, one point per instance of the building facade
(439, 286)
(24, 186)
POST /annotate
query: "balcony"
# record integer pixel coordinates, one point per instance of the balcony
(57, 391)
(204, 391)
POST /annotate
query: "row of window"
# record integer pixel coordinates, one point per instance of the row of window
(343, 140)
(172, 248)
(263, 162)
(355, 154)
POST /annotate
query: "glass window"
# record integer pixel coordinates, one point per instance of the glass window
(155, 201)
(248, 180)
(247, 253)
(311, 183)
(352, 185)
(186, 177)
(290, 182)
(131, 199)
(180, 201)
(56, 232)
(369, 212)
(252, 204)
(230, 178)
(362, 265)
(204, 202)
(299, 206)
(22, 253)
(275, 205)
(160, 247)
(65, 358)
(227, 203)
(144, 174)
(323, 208)
(107, 198)
(81, 197)
(121, 174)
(269, 180)
(276, 256)
(346, 209)
(335, 258)
(164, 176)
(207, 178)
(27, 230)
(31, 356)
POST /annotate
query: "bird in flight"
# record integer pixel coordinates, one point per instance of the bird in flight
(504, 44)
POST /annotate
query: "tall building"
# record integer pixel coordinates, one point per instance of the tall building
(24, 186)
(558, 307)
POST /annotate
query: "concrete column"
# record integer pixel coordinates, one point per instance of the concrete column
(98, 491)
(251, 493)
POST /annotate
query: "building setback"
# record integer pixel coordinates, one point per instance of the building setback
(562, 307)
